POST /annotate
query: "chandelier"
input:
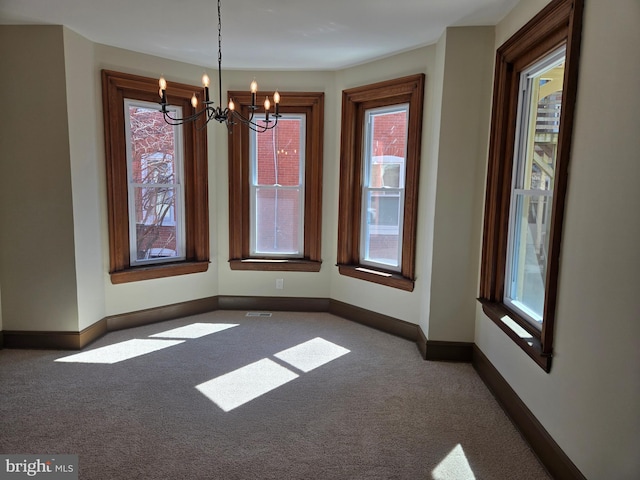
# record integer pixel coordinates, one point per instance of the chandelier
(228, 115)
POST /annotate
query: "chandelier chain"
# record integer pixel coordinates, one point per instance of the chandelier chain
(219, 55)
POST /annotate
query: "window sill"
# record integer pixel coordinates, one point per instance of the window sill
(380, 277)
(512, 325)
(275, 265)
(147, 272)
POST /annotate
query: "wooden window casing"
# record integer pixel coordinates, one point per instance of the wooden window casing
(355, 102)
(557, 24)
(116, 87)
(311, 104)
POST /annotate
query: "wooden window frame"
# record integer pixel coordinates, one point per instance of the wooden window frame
(355, 102)
(117, 86)
(558, 23)
(240, 258)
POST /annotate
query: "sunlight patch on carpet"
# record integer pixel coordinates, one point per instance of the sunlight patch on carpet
(311, 354)
(119, 352)
(236, 388)
(195, 330)
(454, 467)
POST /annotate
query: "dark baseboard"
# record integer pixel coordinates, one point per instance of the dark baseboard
(449, 351)
(375, 320)
(297, 304)
(440, 351)
(545, 447)
(42, 340)
(92, 333)
(1, 339)
(283, 304)
(421, 342)
(160, 314)
(54, 340)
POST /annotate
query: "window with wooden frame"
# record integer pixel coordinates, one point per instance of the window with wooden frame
(379, 169)
(156, 181)
(534, 97)
(275, 187)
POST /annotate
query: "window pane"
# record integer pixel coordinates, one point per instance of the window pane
(155, 196)
(279, 154)
(382, 230)
(155, 205)
(389, 132)
(277, 221)
(152, 146)
(529, 258)
(156, 230)
(532, 194)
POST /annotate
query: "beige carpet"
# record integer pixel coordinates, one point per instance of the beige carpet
(292, 396)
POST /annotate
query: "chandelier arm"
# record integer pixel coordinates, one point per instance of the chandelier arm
(242, 118)
(179, 121)
(256, 127)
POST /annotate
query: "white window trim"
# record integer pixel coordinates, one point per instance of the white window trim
(253, 188)
(521, 146)
(178, 190)
(367, 161)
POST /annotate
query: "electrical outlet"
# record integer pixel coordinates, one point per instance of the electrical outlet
(279, 283)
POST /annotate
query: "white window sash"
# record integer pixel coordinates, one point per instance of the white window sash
(524, 117)
(255, 186)
(178, 192)
(366, 229)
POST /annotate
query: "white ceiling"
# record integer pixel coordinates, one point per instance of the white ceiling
(265, 34)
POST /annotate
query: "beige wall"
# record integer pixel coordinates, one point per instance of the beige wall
(589, 403)
(86, 145)
(460, 157)
(37, 254)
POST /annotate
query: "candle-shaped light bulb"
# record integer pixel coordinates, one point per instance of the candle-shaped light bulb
(232, 105)
(254, 89)
(267, 106)
(205, 84)
(160, 92)
(162, 83)
(194, 101)
(276, 100)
